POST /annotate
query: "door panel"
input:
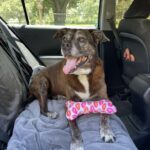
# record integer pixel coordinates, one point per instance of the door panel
(40, 41)
(51, 60)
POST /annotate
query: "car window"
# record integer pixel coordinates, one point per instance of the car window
(121, 8)
(53, 12)
(12, 11)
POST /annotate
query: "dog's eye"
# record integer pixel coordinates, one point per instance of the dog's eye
(64, 38)
(82, 39)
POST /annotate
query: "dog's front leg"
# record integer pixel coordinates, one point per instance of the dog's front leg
(75, 133)
(106, 132)
(43, 92)
(76, 143)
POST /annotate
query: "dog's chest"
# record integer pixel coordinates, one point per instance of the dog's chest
(85, 82)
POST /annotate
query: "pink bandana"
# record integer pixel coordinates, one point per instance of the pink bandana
(75, 109)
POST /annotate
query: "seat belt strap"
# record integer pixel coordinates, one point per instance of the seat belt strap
(116, 35)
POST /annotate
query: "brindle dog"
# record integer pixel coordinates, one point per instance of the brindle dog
(79, 76)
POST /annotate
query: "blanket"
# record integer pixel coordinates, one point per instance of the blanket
(33, 131)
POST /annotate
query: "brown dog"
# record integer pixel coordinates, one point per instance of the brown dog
(79, 76)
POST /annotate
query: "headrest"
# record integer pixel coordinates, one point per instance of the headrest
(138, 9)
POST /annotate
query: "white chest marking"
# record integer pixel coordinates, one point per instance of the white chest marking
(84, 81)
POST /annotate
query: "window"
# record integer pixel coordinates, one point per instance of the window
(63, 12)
(121, 8)
(52, 12)
(12, 11)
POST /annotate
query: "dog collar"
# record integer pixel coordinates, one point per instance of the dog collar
(75, 109)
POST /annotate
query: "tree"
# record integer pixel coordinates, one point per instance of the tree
(40, 8)
(12, 11)
(59, 8)
(85, 13)
(57, 12)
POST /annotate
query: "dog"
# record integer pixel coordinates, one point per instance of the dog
(79, 76)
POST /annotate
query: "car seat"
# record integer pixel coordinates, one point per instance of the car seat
(134, 31)
(15, 72)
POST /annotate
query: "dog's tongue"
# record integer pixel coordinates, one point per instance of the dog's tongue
(70, 65)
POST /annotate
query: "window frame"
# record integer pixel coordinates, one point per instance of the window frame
(25, 12)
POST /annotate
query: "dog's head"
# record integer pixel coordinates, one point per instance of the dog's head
(79, 48)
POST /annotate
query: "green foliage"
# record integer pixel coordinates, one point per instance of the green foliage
(86, 13)
(12, 11)
(73, 3)
(74, 12)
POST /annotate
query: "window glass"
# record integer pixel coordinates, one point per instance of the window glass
(12, 11)
(121, 8)
(63, 12)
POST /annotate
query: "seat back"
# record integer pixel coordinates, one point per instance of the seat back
(12, 91)
(135, 35)
(15, 73)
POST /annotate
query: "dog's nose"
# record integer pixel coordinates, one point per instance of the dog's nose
(67, 45)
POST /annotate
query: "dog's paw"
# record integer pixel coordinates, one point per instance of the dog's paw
(76, 145)
(52, 115)
(107, 135)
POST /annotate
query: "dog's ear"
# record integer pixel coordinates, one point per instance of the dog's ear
(60, 33)
(99, 36)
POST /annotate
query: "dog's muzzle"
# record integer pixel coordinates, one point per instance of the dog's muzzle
(73, 63)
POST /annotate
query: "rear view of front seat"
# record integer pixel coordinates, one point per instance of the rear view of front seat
(134, 31)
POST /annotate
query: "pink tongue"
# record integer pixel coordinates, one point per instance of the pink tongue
(70, 65)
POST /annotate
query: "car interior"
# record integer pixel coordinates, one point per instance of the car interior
(22, 47)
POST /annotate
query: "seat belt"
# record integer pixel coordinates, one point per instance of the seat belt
(116, 35)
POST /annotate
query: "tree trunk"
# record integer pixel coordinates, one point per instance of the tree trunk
(40, 10)
(59, 11)
(60, 17)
